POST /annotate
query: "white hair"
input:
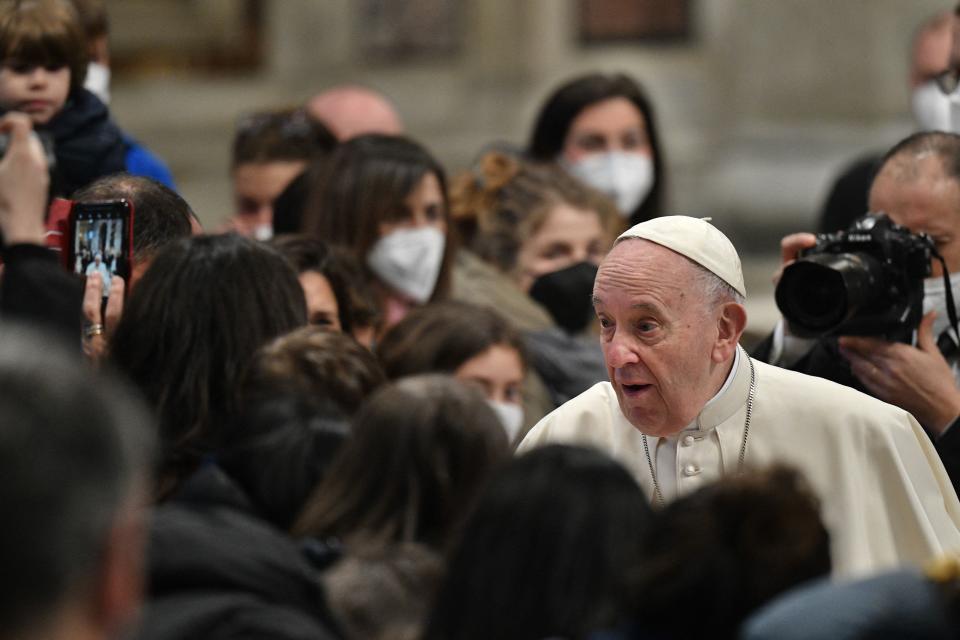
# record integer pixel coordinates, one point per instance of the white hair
(715, 290)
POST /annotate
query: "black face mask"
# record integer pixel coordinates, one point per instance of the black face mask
(567, 295)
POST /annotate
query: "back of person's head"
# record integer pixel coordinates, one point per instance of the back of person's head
(316, 363)
(44, 33)
(278, 136)
(351, 110)
(730, 547)
(312, 255)
(74, 449)
(190, 330)
(419, 451)
(283, 447)
(160, 215)
(365, 185)
(504, 201)
(550, 550)
(93, 17)
(440, 337)
(302, 389)
(384, 594)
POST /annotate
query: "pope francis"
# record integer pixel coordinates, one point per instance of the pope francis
(685, 404)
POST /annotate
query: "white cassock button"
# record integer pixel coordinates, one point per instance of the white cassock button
(691, 470)
(687, 441)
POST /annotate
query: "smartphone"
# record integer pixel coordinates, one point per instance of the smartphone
(101, 240)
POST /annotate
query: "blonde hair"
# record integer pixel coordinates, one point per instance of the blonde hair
(504, 201)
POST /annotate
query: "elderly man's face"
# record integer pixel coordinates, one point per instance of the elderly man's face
(658, 336)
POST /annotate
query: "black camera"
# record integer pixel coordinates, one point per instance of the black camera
(865, 281)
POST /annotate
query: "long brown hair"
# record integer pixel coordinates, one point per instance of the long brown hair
(419, 452)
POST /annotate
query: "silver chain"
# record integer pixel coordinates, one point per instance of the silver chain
(743, 444)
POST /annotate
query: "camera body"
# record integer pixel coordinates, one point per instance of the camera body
(865, 281)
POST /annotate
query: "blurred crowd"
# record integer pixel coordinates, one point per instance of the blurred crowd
(384, 401)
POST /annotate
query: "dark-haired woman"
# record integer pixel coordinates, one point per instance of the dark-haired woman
(602, 129)
(385, 199)
(474, 344)
(189, 333)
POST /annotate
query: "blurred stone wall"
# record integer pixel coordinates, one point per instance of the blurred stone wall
(764, 104)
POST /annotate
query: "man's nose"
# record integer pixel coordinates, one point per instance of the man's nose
(619, 352)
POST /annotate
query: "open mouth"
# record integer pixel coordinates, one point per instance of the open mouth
(634, 389)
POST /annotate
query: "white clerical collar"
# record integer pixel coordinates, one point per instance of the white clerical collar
(727, 400)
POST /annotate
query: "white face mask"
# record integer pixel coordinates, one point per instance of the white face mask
(935, 111)
(98, 81)
(409, 261)
(935, 299)
(263, 232)
(511, 417)
(624, 176)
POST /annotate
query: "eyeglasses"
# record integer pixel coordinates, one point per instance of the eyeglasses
(948, 80)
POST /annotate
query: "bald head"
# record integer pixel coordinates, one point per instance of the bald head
(906, 159)
(918, 186)
(350, 110)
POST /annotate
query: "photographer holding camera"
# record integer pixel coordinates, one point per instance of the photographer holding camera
(918, 187)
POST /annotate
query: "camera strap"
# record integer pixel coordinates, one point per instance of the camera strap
(945, 342)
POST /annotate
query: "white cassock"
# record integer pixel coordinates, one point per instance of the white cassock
(885, 496)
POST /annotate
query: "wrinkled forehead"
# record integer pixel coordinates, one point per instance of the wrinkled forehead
(644, 253)
(635, 263)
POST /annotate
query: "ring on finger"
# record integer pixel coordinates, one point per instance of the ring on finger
(95, 329)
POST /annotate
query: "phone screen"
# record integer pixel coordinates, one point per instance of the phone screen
(101, 240)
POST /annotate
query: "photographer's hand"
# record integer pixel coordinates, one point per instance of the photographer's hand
(917, 379)
(23, 183)
(790, 248)
(99, 326)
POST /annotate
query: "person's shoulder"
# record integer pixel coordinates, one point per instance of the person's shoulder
(799, 394)
(588, 418)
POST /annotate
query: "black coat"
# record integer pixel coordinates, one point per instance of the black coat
(36, 290)
(216, 570)
(86, 143)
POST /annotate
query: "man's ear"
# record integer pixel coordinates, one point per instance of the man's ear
(731, 321)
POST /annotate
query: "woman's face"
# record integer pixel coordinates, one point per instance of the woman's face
(424, 206)
(496, 372)
(408, 257)
(322, 307)
(614, 124)
(568, 236)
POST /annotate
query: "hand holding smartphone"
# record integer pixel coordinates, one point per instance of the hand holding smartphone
(101, 240)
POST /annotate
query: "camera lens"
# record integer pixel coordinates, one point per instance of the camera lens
(817, 294)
